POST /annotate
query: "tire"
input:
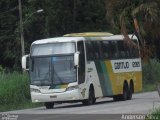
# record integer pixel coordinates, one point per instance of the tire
(49, 105)
(91, 98)
(130, 92)
(123, 97)
(125, 92)
(116, 98)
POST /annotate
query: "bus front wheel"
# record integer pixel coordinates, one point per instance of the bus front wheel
(91, 97)
(49, 105)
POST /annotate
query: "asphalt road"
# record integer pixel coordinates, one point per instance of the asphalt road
(104, 109)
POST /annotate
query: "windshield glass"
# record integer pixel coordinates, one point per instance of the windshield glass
(40, 71)
(53, 49)
(53, 70)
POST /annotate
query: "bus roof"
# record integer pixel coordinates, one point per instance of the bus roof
(75, 38)
(89, 34)
(58, 39)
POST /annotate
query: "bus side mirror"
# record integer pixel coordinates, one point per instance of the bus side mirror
(25, 62)
(76, 58)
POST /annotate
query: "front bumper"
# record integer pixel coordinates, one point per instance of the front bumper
(72, 95)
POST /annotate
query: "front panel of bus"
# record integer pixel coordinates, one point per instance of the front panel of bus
(52, 72)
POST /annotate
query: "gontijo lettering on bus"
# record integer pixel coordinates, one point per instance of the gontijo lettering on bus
(126, 65)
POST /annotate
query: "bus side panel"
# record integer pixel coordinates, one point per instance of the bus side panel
(104, 80)
(117, 79)
(92, 78)
(138, 82)
(108, 83)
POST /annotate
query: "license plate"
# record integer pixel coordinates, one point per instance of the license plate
(53, 96)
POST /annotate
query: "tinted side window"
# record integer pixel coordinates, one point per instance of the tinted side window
(133, 51)
(81, 69)
(114, 49)
(106, 49)
(127, 50)
(100, 50)
(96, 50)
(89, 50)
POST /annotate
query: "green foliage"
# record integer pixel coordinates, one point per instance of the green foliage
(151, 75)
(14, 88)
(154, 115)
(1, 69)
(147, 14)
(59, 17)
(15, 92)
(151, 72)
(18, 106)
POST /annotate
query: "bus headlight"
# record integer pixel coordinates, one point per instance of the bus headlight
(35, 90)
(72, 88)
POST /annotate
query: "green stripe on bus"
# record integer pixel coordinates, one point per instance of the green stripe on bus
(103, 78)
(107, 80)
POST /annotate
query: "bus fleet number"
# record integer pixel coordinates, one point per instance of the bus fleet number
(121, 65)
(135, 64)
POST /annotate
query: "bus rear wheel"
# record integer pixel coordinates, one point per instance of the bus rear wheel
(130, 92)
(124, 95)
(117, 98)
(125, 92)
(49, 105)
(91, 98)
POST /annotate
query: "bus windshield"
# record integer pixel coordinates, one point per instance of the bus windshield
(52, 70)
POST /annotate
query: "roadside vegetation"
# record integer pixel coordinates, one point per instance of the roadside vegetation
(14, 91)
(155, 115)
(151, 74)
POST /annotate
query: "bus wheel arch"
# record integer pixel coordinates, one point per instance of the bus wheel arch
(91, 96)
(123, 96)
(93, 90)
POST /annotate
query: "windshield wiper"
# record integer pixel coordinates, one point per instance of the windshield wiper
(57, 75)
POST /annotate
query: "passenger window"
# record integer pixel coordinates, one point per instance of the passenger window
(121, 49)
(81, 69)
(114, 49)
(89, 50)
(96, 50)
(106, 49)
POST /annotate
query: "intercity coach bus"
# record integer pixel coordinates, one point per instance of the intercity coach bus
(83, 67)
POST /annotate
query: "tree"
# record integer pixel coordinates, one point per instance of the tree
(9, 44)
(59, 17)
(143, 12)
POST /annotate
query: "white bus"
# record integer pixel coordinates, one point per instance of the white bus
(83, 67)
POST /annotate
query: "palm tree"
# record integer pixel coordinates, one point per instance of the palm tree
(141, 16)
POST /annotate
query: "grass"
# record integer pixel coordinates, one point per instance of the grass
(14, 92)
(155, 115)
(148, 87)
(23, 105)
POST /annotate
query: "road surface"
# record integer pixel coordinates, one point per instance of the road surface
(142, 103)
